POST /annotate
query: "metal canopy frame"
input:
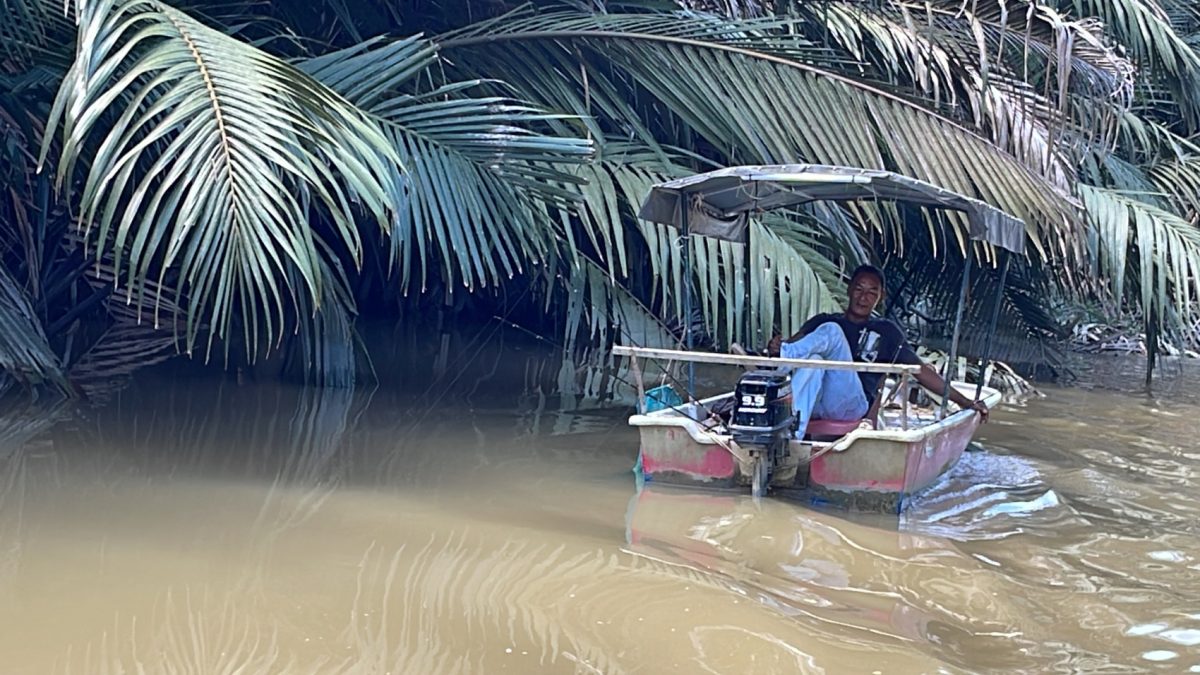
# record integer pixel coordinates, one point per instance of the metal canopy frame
(718, 203)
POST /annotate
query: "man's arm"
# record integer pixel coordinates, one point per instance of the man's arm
(930, 379)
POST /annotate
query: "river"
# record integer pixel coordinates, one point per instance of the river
(206, 526)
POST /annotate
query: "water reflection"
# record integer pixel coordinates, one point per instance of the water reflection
(218, 528)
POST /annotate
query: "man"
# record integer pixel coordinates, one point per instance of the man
(852, 336)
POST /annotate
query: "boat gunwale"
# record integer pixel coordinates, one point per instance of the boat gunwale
(673, 417)
(761, 361)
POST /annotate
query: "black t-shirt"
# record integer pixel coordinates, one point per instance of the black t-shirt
(876, 341)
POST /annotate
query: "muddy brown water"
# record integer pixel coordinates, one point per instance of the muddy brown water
(207, 527)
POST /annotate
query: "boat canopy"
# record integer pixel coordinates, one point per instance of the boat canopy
(720, 201)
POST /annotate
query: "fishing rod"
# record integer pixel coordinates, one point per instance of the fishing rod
(680, 408)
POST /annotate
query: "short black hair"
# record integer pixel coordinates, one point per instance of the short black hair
(869, 269)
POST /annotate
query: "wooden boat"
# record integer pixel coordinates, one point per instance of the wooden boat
(876, 465)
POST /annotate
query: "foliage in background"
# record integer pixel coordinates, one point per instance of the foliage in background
(255, 175)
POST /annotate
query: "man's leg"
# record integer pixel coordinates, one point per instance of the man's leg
(829, 394)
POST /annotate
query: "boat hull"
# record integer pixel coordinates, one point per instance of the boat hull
(865, 469)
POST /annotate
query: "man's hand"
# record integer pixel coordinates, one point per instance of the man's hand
(981, 408)
(775, 345)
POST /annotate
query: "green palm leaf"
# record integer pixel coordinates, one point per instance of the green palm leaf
(1153, 42)
(952, 59)
(760, 107)
(482, 175)
(792, 280)
(25, 354)
(206, 151)
(1155, 248)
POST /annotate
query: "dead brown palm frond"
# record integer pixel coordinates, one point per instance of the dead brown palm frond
(25, 353)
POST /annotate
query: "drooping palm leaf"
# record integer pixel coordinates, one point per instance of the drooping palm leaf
(1151, 38)
(760, 107)
(1178, 182)
(792, 280)
(950, 59)
(481, 174)
(24, 352)
(600, 313)
(1149, 255)
(203, 150)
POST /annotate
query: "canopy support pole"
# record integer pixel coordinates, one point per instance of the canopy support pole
(749, 340)
(958, 317)
(687, 287)
(987, 345)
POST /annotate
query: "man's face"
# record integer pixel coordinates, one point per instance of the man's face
(865, 293)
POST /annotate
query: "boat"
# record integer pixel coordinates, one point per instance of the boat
(877, 464)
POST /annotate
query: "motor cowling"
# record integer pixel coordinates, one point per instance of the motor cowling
(762, 411)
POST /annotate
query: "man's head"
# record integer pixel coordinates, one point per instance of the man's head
(866, 290)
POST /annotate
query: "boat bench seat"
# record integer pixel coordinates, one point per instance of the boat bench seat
(829, 429)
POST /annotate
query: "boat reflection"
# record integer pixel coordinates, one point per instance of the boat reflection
(822, 567)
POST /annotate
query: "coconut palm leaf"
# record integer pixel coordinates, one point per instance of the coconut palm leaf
(1149, 254)
(779, 110)
(792, 253)
(1146, 30)
(202, 151)
(25, 353)
(945, 60)
(31, 31)
(481, 175)
(122, 350)
(792, 280)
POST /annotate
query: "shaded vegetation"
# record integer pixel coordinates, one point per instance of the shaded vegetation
(235, 180)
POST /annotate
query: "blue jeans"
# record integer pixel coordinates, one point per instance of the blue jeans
(824, 394)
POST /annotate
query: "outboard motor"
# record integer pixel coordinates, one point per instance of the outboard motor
(762, 420)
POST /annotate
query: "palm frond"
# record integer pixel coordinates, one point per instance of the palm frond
(213, 149)
(1038, 44)
(31, 27)
(481, 173)
(733, 9)
(1143, 27)
(1178, 182)
(949, 58)
(756, 106)
(791, 279)
(1149, 256)
(122, 350)
(25, 354)
(600, 313)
